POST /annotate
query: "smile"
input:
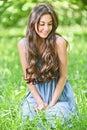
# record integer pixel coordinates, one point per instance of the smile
(45, 33)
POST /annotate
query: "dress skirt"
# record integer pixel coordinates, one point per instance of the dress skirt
(64, 107)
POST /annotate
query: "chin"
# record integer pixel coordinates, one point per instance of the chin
(44, 36)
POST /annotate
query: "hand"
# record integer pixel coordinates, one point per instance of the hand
(41, 106)
(49, 106)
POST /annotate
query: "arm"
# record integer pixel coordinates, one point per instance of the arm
(62, 55)
(31, 87)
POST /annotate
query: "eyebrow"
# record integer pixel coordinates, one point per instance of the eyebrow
(44, 21)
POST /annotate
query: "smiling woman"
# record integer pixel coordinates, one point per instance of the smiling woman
(43, 55)
(45, 26)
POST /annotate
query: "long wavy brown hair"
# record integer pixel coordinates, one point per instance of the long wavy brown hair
(41, 68)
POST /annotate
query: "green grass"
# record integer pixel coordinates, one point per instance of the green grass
(13, 87)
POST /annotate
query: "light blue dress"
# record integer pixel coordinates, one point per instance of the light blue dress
(64, 107)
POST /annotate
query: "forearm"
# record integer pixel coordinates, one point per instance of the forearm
(58, 90)
(35, 94)
(63, 67)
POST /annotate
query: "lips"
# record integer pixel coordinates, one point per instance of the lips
(45, 33)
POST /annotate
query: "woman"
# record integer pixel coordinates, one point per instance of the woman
(43, 55)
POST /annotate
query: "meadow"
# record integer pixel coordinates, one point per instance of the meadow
(13, 88)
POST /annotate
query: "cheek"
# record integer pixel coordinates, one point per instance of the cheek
(40, 28)
(43, 28)
(50, 29)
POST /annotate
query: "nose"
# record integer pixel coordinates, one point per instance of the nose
(46, 28)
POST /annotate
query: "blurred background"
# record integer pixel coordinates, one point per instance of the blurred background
(14, 14)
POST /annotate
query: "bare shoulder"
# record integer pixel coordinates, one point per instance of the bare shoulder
(21, 43)
(60, 41)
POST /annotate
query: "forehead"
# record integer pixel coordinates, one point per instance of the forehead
(46, 18)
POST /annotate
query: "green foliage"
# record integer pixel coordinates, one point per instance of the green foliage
(15, 13)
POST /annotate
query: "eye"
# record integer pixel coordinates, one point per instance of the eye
(50, 24)
(41, 24)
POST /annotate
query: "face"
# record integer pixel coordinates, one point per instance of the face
(45, 26)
